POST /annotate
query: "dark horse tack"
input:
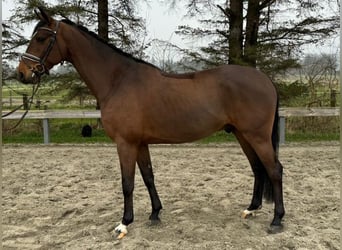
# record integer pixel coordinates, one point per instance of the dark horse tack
(141, 105)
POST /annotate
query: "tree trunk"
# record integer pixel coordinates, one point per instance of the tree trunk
(235, 31)
(252, 28)
(102, 16)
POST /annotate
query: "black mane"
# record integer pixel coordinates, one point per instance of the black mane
(94, 35)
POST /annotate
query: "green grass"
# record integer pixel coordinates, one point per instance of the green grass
(61, 131)
(303, 137)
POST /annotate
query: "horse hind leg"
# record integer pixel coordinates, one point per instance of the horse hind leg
(259, 176)
(266, 153)
(145, 166)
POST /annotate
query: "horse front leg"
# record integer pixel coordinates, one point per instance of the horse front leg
(127, 156)
(145, 166)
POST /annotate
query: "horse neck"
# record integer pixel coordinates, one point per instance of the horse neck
(98, 64)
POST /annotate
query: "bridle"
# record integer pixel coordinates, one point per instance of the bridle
(40, 68)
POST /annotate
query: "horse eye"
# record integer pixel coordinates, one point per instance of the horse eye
(40, 39)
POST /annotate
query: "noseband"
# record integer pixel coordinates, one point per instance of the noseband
(40, 69)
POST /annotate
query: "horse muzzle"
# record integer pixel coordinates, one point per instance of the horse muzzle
(28, 77)
(30, 74)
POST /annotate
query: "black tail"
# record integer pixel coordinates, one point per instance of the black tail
(275, 131)
(268, 188)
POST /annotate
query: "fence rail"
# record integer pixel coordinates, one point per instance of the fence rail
(292, 112)
(46, 115)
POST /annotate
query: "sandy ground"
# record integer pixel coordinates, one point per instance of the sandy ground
(69, 197)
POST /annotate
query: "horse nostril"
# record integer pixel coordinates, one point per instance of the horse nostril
(21, 76)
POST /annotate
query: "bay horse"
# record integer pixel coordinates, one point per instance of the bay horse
(142, 105)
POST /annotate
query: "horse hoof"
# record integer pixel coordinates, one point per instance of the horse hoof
(120, 236)
(275, 229)
(155, 222)
(121, 230)
(248, 213)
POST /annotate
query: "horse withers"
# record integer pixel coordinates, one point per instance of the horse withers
(142, 105)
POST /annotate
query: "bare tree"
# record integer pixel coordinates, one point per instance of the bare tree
(320, 70)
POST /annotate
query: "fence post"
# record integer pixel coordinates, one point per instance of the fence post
(333, 95)
(25, 102)
(282, 130)
(46, 131)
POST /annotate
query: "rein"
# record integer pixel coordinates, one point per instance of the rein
(30, 101)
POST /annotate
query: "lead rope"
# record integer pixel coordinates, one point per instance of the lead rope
(30, 101)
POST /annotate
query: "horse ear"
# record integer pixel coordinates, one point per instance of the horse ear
(42, 15)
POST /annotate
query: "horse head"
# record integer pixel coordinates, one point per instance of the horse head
(45, 49)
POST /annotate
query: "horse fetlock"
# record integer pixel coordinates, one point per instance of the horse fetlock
(121, 230)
